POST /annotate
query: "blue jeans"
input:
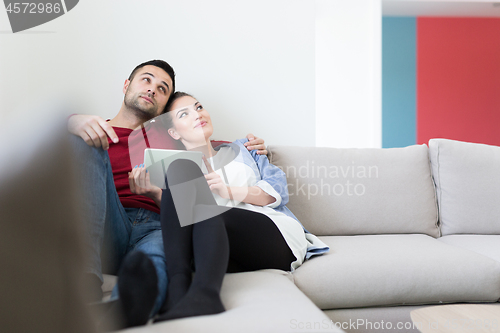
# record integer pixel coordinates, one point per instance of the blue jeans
(114, 231)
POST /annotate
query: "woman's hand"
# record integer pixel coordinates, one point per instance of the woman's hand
(215, 182)
(140, 183)
(252, 195)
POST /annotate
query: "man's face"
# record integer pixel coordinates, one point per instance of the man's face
(148, 92)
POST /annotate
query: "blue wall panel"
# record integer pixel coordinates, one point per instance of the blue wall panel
(399, 81)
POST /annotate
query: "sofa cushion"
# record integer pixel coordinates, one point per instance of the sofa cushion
(487, 245)
(381, 270)
(360, 191)
(41, 252)
(393, 319)
(261, 301)
(467, 177)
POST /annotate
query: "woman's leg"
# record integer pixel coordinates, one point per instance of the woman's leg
(255, 242)
(206, 241)
(250, 239)
(177, 242)
(211, 253)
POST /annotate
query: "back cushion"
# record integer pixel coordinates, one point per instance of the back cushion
(360, 191)
(42, 254)
(467, 177)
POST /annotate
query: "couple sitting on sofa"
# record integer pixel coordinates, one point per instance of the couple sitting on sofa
(234, 225)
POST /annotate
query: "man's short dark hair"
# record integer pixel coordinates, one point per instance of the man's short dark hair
(160, 64)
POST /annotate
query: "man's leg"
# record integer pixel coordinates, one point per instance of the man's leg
(141, 286)
(138, 289)
(101, 210)
(152, 245)
(146, 237)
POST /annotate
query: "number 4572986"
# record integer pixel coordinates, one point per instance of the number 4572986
(33, 8)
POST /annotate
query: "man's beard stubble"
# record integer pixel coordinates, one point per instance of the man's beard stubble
(142, 112)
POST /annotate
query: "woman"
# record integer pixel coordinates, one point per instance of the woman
(230, 224)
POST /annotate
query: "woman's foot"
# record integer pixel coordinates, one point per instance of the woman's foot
(178, 286)
(195, 303)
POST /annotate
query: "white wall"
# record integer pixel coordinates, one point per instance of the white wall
(294, 72)
(348, 73)
(251, 63)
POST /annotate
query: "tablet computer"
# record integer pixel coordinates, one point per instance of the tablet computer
(157, 161)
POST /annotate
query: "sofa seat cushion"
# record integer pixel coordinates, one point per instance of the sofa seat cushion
(381, 270)
(487, 245)
(261, 301)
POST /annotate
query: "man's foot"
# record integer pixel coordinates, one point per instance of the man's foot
(195, 304)
(138, 288)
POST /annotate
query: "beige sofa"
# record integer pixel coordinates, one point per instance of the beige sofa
(407, 227)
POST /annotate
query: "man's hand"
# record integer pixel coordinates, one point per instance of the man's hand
(256, 143)
(92, 129)
(140, 183)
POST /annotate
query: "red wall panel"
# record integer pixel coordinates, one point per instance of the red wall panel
(458, 79)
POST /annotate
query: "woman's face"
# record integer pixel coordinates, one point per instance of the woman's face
(192, 123)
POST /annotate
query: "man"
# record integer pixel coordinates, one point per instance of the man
(121, 221)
